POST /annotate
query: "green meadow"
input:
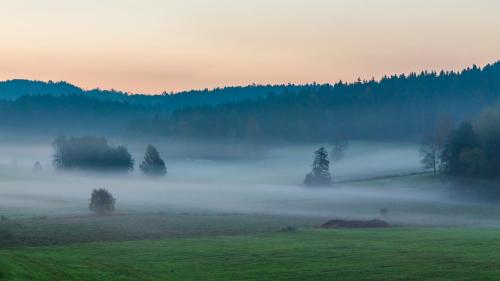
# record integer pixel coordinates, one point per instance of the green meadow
(303, 254)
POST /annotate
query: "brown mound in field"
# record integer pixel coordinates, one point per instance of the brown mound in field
(338, 223)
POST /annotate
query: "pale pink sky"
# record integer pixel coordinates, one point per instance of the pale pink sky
(156, 45)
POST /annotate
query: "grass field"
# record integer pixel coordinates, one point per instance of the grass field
(219, 227)
(309, 254)
(70, 229)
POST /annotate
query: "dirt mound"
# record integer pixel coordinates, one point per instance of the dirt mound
(338, 223)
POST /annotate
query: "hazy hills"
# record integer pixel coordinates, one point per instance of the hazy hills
(14, 89)
(396, 107)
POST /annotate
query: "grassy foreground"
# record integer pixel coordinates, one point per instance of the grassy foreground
(385, 254)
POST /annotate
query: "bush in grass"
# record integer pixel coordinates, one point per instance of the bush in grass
(102, 202)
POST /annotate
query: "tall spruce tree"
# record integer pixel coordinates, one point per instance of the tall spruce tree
(153, 165)
(320, 174)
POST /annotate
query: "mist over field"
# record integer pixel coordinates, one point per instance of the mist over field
(270, 184)
(249, 140)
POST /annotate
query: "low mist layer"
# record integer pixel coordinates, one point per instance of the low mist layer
(271, 184)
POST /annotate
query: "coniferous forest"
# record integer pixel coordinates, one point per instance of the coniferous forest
(398, 107)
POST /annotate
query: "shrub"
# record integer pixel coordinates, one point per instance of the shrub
(101, 201)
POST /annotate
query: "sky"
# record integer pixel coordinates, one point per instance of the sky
(151, 46)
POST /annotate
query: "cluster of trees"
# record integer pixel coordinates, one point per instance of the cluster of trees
(472, 149)
(90, 153)
(394, 108)
(95, 153)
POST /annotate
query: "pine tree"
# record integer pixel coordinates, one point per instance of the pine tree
(152, 164)
(320, 174)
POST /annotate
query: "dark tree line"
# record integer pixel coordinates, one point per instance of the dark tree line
(394, 108)
(68, 114)
(13, 89)
(397, 107)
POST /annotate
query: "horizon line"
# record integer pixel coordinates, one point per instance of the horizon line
(406, 74)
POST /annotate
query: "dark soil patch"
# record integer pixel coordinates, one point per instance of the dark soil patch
(338, 223)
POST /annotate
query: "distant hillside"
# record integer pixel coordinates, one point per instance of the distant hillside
(76, 114)
(14, 89)
(400, 107)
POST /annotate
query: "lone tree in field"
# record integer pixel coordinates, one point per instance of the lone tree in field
(433, 144)
(153, 165)
(101, 201)
(430, 151)
(320, 174)
(340, 145)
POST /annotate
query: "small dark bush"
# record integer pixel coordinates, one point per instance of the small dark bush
(101, 201)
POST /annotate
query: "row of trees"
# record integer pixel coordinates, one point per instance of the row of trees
(95, 153)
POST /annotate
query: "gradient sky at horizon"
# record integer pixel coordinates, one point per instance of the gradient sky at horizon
(150, 46)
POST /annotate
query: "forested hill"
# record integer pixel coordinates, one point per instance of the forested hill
(13, 89)
(400, 107)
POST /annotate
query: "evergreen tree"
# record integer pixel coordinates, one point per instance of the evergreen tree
(320, 174)
(152, 164)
